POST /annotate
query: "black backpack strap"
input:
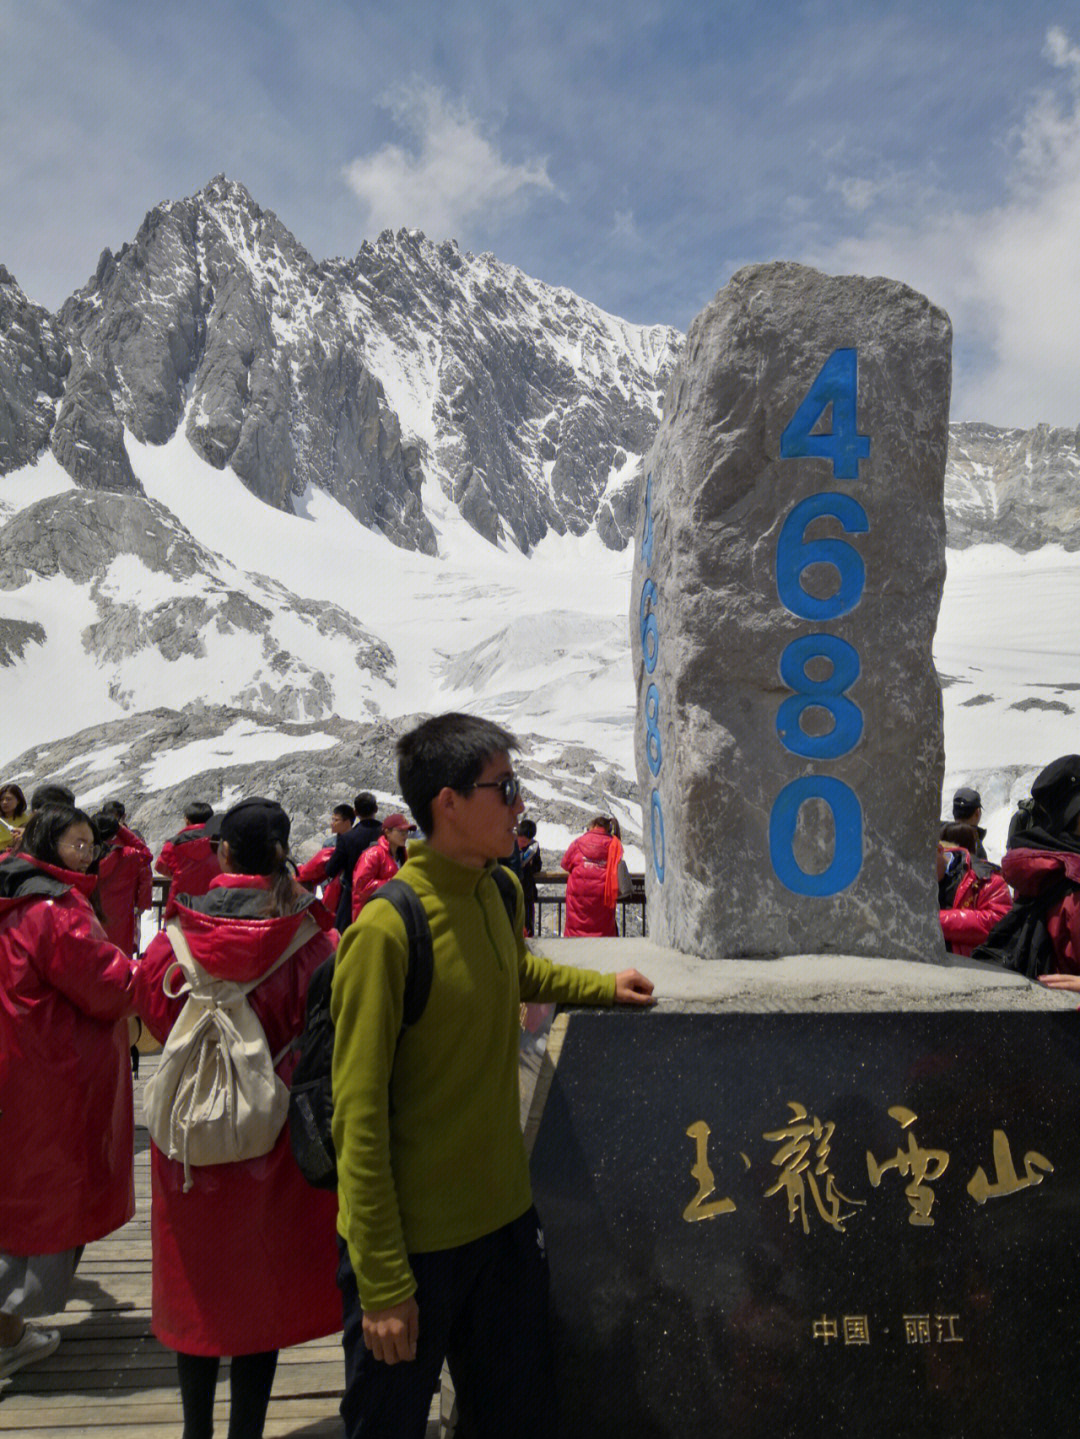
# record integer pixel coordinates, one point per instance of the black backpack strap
(507, 893)
(418, 935)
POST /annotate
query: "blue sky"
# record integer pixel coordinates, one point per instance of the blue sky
(638, 153)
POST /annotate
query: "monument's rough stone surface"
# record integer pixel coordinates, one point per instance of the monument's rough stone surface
(812, 829)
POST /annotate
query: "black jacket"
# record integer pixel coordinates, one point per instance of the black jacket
(342, 862)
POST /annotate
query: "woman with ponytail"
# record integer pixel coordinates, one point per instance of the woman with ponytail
(244, 1261)
(592, 884)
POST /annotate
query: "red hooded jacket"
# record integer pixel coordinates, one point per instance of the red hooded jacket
(124, 886)
(66, 1122)
(585, 863)
(313, 871)
(374, 867)
(246, 1260)
(980, 901)
(189, 860)
(1030, 871)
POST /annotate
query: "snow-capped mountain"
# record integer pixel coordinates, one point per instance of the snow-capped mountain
(411, 365)
(261, 494)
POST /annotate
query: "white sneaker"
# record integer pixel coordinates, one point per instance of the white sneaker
(34, 1345)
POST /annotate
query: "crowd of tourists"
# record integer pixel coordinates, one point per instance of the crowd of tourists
(431, 1214)
(424, 1247)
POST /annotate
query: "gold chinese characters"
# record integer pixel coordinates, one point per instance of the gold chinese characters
(809, 1187)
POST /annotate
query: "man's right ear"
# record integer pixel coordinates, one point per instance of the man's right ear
(444, 805)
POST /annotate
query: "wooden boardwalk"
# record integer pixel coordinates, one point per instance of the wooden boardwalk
(111, 1379)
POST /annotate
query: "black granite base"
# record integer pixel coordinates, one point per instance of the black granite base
(878, 1235)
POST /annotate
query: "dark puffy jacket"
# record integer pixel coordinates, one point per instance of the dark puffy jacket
(1032, 872)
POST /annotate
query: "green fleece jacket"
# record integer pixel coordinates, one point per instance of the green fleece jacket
(429, 1148)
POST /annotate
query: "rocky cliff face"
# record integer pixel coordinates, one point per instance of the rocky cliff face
(34, 362)
(149, 591)
(528, 408)
(1019, 488)
(413, 375)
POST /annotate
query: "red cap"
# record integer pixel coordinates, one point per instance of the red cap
(396, 821)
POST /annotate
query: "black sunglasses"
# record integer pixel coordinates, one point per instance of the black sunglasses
(509, 788)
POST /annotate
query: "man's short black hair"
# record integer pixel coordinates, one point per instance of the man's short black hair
(365, 804)
(52, 794)
(115, 807)
(345, 811)
(448, 751)
(198, 812)
(527, 827)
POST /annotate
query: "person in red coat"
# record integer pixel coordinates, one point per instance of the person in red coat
(972, 894)
(313, 870)
(66, 1118)
(379, 862)
(125, 885)
(244, 1262)
(592, 885)
(190, 859)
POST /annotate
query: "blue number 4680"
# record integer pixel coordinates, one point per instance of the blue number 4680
(837, 385)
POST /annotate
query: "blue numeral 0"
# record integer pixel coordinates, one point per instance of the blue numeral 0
(837, 384)
(657, 828)
(794, 555)
(847, 826)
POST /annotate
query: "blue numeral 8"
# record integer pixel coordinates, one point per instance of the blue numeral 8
(827, 694)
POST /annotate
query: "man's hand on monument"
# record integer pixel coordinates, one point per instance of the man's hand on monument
(391, 1334)
(631, 987)
(1060, 981)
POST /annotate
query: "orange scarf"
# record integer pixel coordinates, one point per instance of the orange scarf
(611, 872)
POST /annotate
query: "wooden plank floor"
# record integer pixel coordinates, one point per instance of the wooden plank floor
(111, 1379)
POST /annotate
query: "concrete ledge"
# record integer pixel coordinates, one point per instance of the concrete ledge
(799, 982)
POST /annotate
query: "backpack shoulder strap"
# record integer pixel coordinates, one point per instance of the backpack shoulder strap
(305, 930)
(418, 934)
(507, 893)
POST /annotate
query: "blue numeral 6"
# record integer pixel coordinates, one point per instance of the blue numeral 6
(650, 630)
(795, 554)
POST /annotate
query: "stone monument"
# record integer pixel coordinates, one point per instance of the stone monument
(825, 1187)
(789, 568)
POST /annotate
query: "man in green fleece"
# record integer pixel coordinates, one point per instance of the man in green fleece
(442, 1254)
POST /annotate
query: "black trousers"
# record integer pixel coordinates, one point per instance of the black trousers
(484, 1309)
(251, 1377)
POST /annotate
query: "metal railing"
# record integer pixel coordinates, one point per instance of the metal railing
(630, 914)
(550, 904)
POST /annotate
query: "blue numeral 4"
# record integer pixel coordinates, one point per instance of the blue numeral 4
(836, 385)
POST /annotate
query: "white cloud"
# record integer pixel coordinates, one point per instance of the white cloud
(1009, 274)
(453, 176)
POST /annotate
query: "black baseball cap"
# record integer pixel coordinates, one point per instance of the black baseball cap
(966, 802)
(252, 825)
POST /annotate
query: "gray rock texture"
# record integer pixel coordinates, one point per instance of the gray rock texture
(33, 363)
(413, 362)
(526, 402)
(1019, 488)
(216, 310)
(814, 983)
(116, 760)
(360, 377)
(79, 535)
(720, 494)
